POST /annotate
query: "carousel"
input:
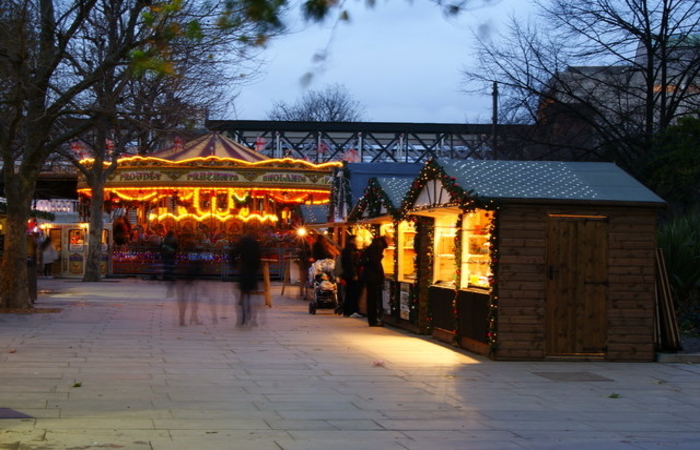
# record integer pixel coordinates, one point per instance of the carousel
(208, 192)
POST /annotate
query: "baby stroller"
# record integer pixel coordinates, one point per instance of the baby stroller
(324, 286)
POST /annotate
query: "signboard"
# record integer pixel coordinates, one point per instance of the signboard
(221, 177)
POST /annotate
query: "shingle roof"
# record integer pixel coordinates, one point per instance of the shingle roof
(548, 180)
(360, 173)
(395, 189)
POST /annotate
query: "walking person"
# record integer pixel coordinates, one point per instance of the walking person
(322, 249)
(373, 277)
(48, 256)
(168, 249)
(350, 262)
(247, 255)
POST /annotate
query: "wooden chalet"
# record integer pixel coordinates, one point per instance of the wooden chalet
(537, 260)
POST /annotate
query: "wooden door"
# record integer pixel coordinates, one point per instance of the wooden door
(577, 284)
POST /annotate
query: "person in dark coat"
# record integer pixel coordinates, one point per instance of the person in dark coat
(373, 278)
(322, 249)
(350, 262)
(168, 251)
(247, 255)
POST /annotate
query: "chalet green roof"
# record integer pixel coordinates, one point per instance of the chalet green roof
(548, 180)
(395, 189)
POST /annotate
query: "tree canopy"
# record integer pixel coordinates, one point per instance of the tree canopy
(599, 78)
(333, 103)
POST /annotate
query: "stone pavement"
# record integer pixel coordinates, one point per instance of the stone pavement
(114, 369)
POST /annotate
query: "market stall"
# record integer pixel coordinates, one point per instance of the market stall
(378, 213)
(537, 260)
(208, 192)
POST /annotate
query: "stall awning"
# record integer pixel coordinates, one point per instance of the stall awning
(436, 212)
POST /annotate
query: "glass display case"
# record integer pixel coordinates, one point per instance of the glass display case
(476, 254)
(388, 231)
(444, 269)
(406, 245)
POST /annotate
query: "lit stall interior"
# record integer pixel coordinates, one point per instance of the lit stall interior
(476, 255)
(406, 248)
(444, 273)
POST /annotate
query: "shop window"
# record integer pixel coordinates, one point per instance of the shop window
(476, 254)
(76, 239)
(444, 270)
(406, 248)
(388, 231)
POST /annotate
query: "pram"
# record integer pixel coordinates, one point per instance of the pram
(324, 286)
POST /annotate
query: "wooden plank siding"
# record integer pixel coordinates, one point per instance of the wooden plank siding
(522, 280)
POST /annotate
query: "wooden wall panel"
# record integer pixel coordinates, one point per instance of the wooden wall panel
(522, 279)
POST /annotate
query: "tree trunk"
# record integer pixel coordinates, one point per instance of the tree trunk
(14, 286)
(94, 256)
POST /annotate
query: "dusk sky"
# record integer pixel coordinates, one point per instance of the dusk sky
(402, 60)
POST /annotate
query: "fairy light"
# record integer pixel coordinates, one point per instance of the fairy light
(141, 160)
(220, 217)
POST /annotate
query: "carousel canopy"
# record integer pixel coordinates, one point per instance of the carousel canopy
(213, 144)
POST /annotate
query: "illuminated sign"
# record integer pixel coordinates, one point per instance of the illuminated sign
(284, 178)
(212, 176)
(140, 176)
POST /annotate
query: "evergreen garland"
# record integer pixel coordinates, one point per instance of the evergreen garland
(458, 272)
(493, 300)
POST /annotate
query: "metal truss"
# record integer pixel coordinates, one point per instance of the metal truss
(384, 142)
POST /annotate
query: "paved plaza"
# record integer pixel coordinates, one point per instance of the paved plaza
(114, 369)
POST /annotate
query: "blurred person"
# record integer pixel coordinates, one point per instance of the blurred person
(246, 255)
(48, 256)
(373, 277)
(322, 249)
(186, 287)
(350, 275)
(168, 252)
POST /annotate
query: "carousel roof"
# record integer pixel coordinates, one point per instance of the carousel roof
(213, 144)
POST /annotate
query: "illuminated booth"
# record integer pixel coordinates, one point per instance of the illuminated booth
(378, 213)
(537, 260)
(207, 191)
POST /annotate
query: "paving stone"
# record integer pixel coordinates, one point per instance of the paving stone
(304, 382)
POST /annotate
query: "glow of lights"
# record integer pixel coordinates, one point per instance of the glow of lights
(309, 196)
(301, 231)
(220, 217)
(265, 162)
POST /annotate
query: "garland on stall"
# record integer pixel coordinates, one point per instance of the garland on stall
(458, 272)
(493, 299)
(459, 196)
(372, 200)
(342, 194)
(425, 236)
(413, 310)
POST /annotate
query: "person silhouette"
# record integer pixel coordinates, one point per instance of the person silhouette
(247, 255)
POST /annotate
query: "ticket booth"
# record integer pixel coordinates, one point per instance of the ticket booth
(71, 243)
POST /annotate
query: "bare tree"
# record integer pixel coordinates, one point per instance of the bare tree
(146, 105)
(598, 77)
(330, 104)
(46, 78)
